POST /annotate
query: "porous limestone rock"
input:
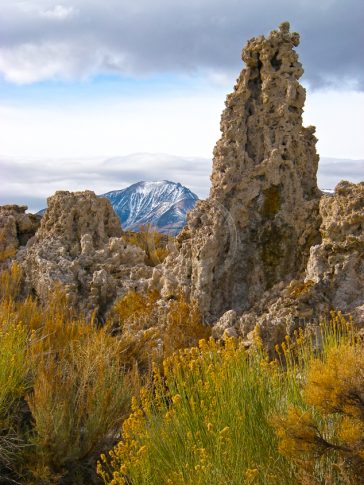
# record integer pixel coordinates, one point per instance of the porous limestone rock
(337, 264)
(79, 244)
(334, 277)
(16, 228)
(256, 228)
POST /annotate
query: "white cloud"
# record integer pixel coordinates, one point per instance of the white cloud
(332, 170)
(28, 63)
(31, 181)
(58, 12)
(178, 120)
(186, 125)
(338, 117)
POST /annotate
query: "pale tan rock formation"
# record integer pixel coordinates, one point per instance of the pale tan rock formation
(261, 218)
(333, 280)
(16, 227)
(79, 244)
(337, 264)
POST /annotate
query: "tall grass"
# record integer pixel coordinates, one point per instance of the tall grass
(14, 383)
(63, 388)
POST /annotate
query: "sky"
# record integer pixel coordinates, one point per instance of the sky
(101, 94)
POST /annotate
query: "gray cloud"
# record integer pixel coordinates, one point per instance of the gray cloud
(77, 38)
(31, 182)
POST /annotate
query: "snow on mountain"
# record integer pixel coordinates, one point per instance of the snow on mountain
(162, 204)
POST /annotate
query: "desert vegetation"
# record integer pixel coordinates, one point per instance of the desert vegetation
(154, 244)
(217, 413)
(66, 384)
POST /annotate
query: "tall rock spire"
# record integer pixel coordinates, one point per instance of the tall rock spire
(261, 217)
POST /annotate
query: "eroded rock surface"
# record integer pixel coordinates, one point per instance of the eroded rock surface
(79, 244)
(261, 218)
(338, 262)
(16, 228)
(333, 280)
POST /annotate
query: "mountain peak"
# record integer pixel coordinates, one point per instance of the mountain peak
(162, 204)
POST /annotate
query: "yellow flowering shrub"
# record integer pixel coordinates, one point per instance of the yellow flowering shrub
(204, 420)
(216, 413)
(329, 422)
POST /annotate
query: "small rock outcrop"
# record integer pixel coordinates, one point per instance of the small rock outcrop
(79, 244)
(16, 228)
(256, 228)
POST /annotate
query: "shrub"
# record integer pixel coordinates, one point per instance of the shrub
(14, 366)
(329, 423)
(6, 251)
(152, 242)
(149, 331)
(206, 420)
(220, 414)
(55, 325)
(14, 383)
(183, 326)
(136, 310)
(10, 283)
(77, 404)
(63, 387)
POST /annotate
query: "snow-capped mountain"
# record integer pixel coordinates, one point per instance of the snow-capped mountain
(162, 204)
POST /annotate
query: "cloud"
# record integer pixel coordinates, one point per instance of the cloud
(332, 170)
(58, 12)
(29, 63)
(30, 182)
(81, 38)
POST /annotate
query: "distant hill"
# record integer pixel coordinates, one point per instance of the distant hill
(162, 204)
